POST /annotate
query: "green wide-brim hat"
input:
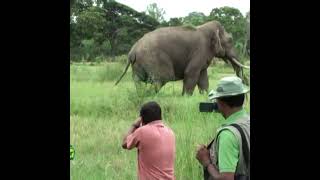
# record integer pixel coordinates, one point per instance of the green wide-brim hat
(229, 86)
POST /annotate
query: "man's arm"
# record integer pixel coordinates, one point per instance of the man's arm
(219, 176)
(131, 130)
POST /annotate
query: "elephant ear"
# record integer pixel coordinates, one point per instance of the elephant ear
(216, 42)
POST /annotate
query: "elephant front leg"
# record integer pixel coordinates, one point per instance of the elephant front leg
(190, 81)
(183, 89)
(157, 86)
(203, 82)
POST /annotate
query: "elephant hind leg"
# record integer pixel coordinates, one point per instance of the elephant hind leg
(139, 73)
(160, 71)
(192, 74)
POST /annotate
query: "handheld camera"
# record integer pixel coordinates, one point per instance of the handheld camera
(208, 107)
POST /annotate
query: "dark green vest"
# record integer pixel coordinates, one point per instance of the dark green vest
(242, 168)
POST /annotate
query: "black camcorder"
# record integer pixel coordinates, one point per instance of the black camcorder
(208, 107)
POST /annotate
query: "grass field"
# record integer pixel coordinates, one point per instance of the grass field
(101, 113)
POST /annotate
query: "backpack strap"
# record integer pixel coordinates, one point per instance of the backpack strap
(245, 146)
(206, 174)
(209, 146)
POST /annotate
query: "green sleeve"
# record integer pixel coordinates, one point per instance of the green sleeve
(228, 151)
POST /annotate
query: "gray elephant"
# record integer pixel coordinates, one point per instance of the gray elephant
(181, 53)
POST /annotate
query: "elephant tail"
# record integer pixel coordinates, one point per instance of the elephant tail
(127, 66)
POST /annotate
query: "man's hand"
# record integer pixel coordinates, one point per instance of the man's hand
(137, 122)
(203, 155)
(133, 127)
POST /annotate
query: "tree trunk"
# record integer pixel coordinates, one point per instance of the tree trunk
(244, 49)
(112, 44)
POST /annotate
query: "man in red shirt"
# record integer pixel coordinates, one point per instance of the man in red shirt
(155, 143)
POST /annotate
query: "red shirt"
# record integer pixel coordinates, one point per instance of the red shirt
(156, 151)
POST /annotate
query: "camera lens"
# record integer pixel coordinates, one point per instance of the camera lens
(215, 106)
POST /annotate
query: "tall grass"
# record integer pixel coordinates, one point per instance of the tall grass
(96, 73)
(101, 113)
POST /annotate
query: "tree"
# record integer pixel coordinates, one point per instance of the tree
(91, 24)
(71, 5)
(78, 6)
(194, 18)
(87, 33)
(175, 22)
(155, 12)
(105, 27)
(172, 22)
(248, 33)
(121, 21)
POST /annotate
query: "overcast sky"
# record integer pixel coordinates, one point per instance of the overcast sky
(181, 8)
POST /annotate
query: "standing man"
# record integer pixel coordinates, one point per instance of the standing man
(228, 156)
(155, 143)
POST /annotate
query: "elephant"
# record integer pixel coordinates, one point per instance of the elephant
(181, 53)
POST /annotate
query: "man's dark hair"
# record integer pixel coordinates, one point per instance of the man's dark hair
(150, 111)
(233, 101)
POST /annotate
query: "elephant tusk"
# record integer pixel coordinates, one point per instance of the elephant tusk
(239, 64)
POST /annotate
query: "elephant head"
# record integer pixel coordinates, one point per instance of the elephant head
(222, 44)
